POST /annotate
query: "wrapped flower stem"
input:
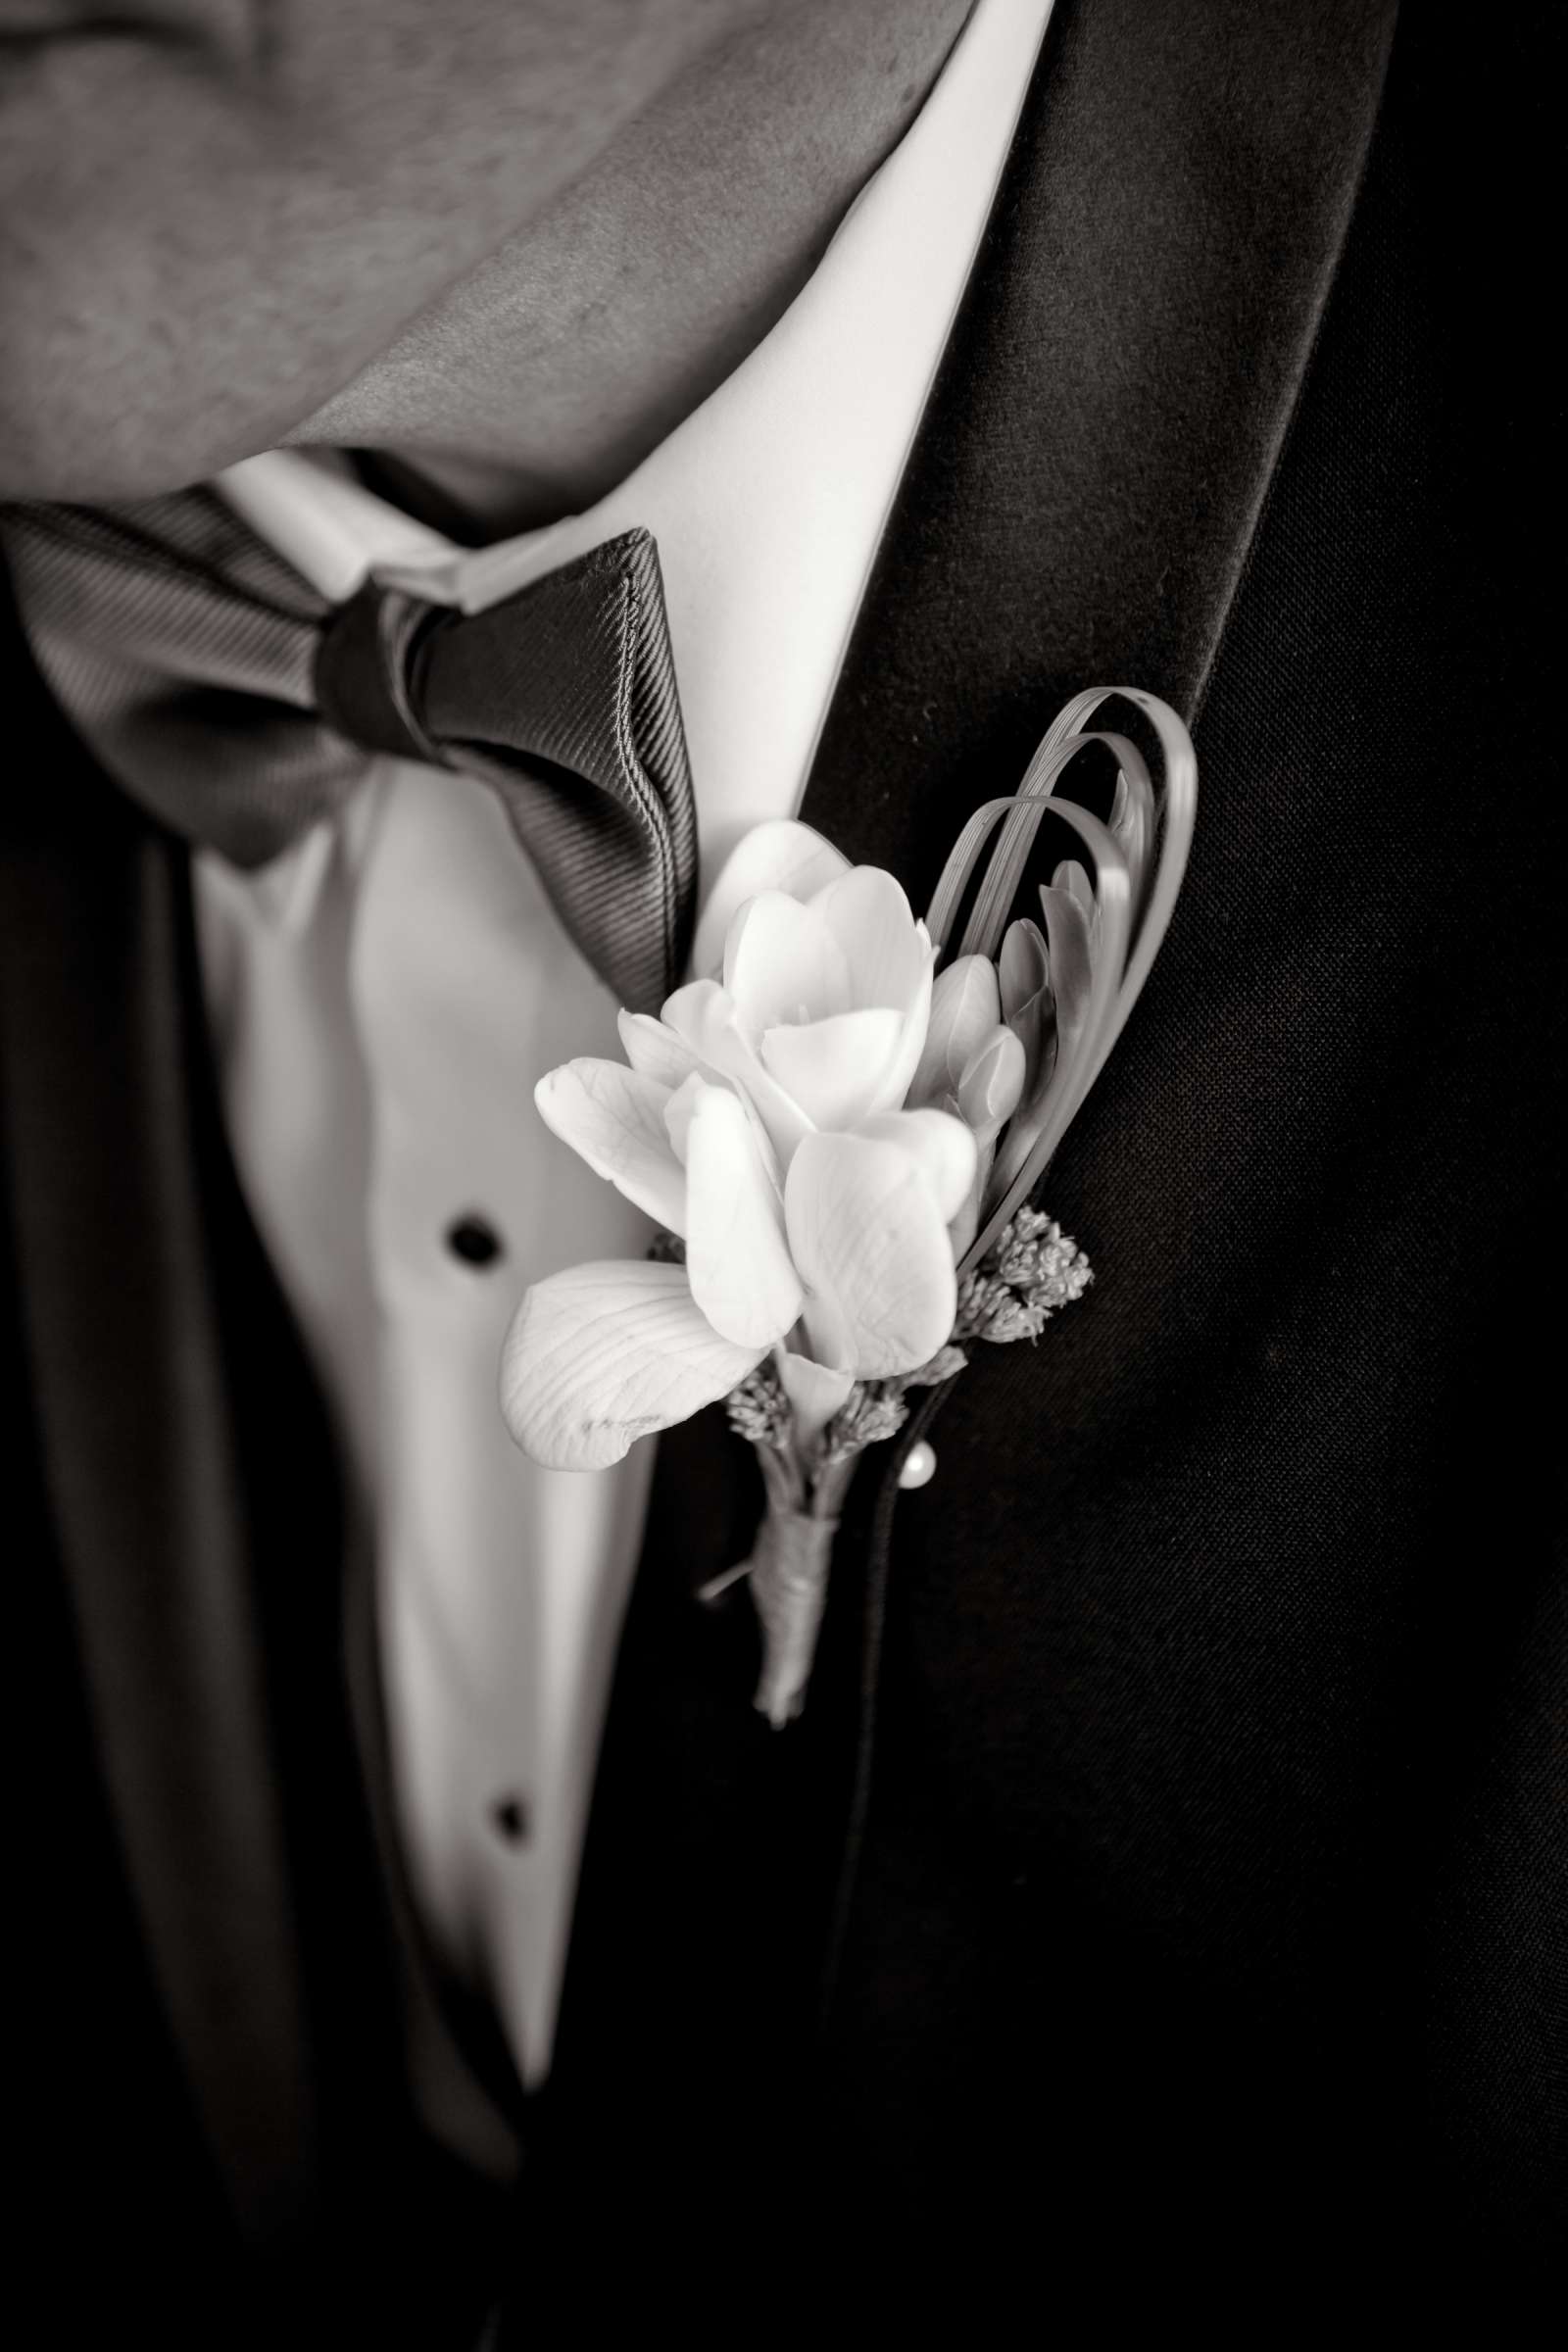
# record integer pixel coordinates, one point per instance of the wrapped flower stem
(788, 1570)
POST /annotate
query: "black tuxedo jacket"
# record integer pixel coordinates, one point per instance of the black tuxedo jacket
(1165, 1874)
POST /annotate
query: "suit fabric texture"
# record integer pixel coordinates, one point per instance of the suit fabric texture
(1163, 1875)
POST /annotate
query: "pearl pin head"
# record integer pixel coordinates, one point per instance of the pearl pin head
(919, 1465)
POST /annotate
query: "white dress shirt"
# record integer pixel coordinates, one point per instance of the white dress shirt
(383, 999)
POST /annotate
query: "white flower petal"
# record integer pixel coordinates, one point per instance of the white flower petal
(869, 915)
(678, 1112)
(782, 964)
(601, 1354)
(872, 1248)
(654, 1049)
(963, 1228)
(699, 1010)
(894, 1087)
(736, 1257)
(780, 854)
(965, 1006)
(941, 1147)
(835, 1069)
(702, 1013)
(615, 1119)
(815, 1393)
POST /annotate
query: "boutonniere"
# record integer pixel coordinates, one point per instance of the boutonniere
(839, 1127)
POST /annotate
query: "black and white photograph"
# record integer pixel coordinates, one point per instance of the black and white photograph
(781, 1053)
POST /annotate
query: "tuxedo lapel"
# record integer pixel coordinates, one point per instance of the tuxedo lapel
(1084, 490)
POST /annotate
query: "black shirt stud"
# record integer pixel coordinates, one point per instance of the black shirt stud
(509, 1818)
(474, 1240)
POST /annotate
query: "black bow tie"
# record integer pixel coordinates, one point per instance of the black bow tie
(239, 707)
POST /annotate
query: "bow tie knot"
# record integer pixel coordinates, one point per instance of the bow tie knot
(363, 678)
(240, 709)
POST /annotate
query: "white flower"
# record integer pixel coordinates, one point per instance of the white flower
(762, 1118)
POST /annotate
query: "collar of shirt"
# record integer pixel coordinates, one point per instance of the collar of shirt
(770, 502)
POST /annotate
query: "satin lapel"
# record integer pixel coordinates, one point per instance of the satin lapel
(1089, 472)
(1088, 477)
(146, 1496)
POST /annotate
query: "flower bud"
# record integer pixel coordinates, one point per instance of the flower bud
(990, 1088)
(1027, 1005)
(965, 1006)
